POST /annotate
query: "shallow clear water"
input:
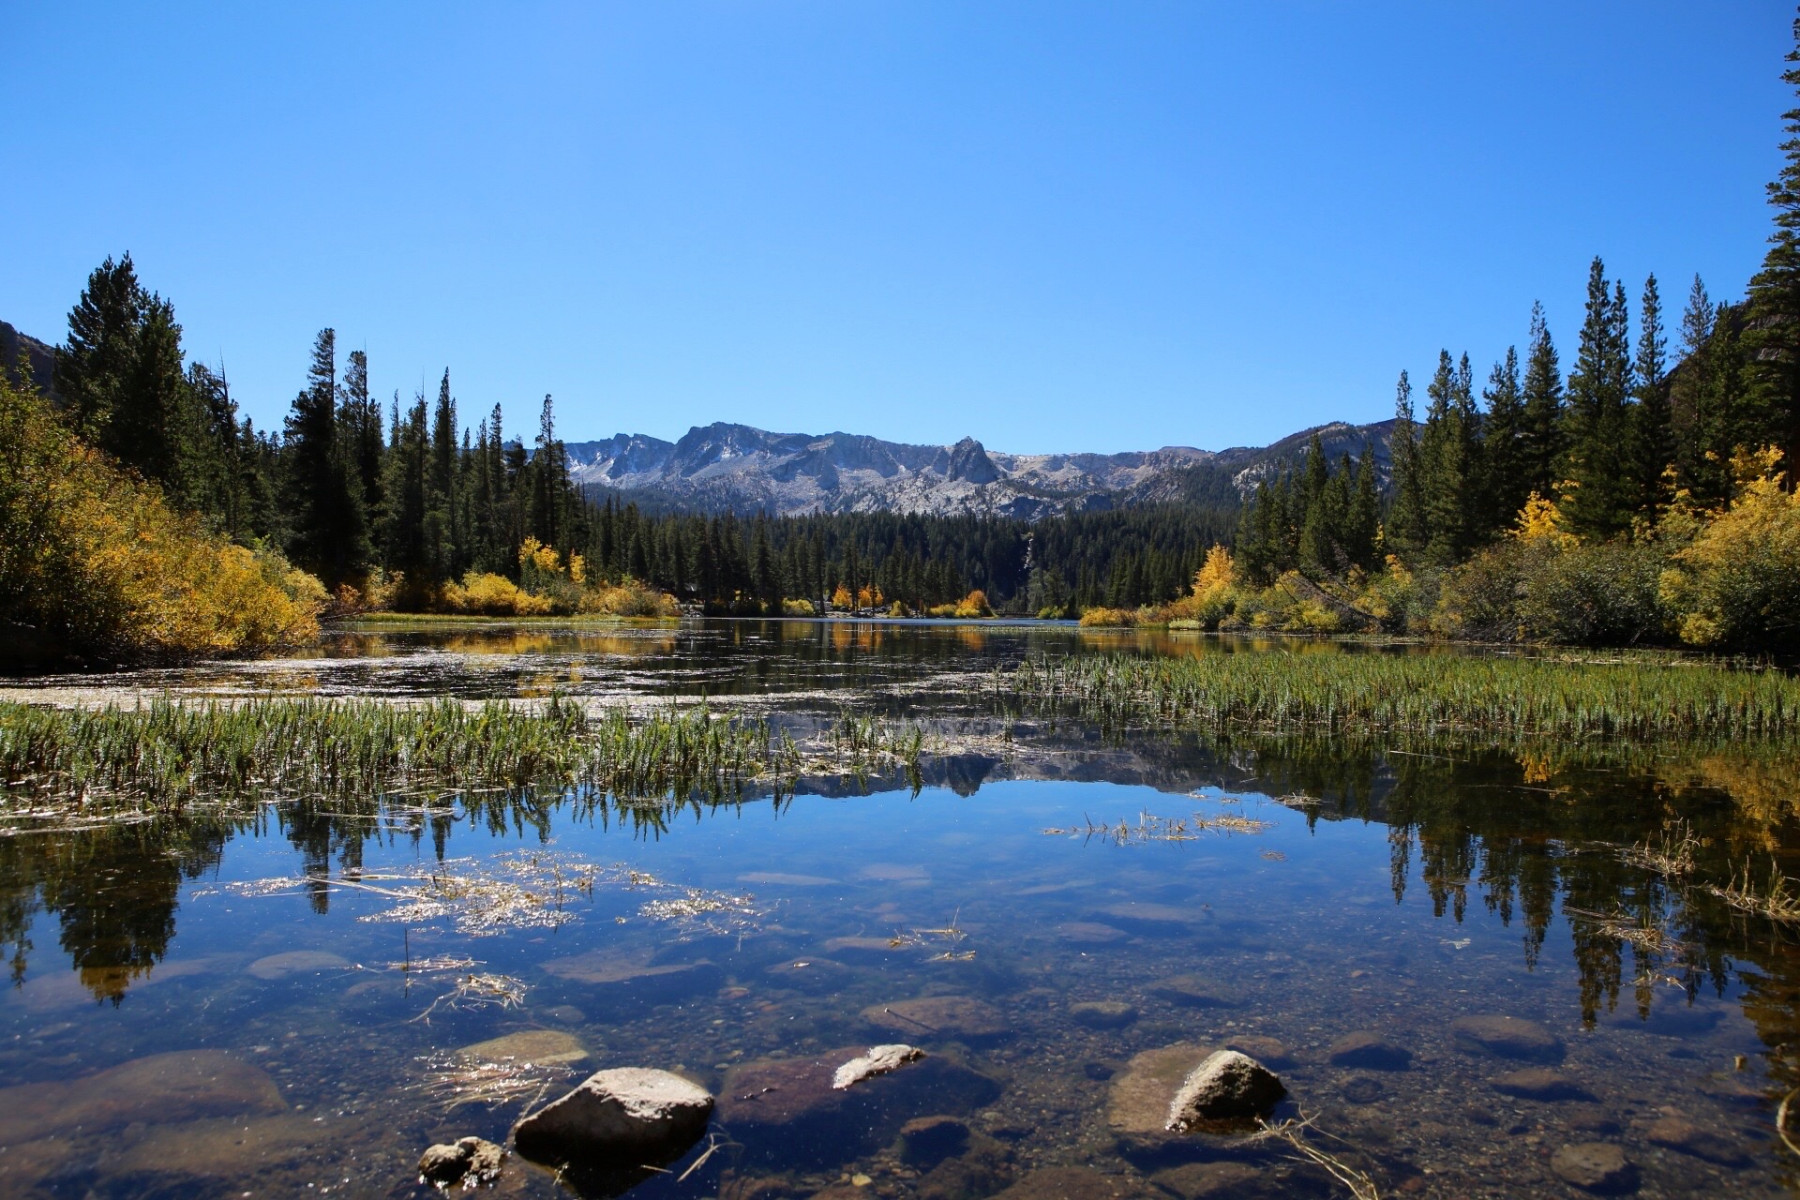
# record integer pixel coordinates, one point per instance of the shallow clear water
(228, 1006)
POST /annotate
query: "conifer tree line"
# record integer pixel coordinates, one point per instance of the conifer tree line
(1612, 444)
(416, 496)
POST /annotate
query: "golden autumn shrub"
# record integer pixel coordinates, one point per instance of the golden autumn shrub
(1737, 582)
(975, 604)
(95, 561)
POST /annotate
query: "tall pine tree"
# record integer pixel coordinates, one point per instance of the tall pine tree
(1772, 334)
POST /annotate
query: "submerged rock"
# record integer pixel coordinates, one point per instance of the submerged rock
(298, 962)
(809, 974)
(1595, 1167)
(1150, 918)
(1228, 1086)
(1682, 1135)
(466, 1160)
(1103, 1014)
(1507, 1037)
(1218, 1181)
(182, 1086)
(635, 979)
(927, 1141)
(620, 1119)
(1138, 1103)
(869, 949)
(548, 1047)
(959, 1017)
(1369, 1051)
(1540, 1083)
(790, 1111)
(1073, 1183)
(1090, 933)
(1195, 991)
(879, 1060)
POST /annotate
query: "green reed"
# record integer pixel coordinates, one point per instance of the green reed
(1434, 694)
(162, 754)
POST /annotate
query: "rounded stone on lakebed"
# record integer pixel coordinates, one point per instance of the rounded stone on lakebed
(938, 1016)
(547, 1047)
(1507, 1037)
(1684, 1136)
(298, 962)
(1103, 1014)
(1540, 1083)
(1369, 1051)
(1195, 991)
(1228, 1086)
(1090, 933)
(1073, 1183)
(927, 1141)
(1599, 1167)
(809, 974)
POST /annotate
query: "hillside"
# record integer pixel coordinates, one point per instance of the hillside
(725, 467)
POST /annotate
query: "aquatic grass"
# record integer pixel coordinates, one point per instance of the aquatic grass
(1430, 694)
(163, 754)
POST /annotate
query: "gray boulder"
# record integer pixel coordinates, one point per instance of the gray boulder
(1228, 1086)
(621, 1119)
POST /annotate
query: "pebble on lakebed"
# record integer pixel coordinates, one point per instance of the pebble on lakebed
(466, 1161)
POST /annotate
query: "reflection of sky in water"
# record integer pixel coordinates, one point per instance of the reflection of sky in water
(1296, 934)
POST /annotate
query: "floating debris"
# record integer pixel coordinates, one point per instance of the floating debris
(950, 936)
(478, 991)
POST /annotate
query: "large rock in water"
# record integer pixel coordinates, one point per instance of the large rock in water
(182, 1086)
(790, 1111)
(1228, 1087)
(617, 1121)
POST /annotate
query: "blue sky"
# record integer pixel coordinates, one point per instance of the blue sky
(1052, 226)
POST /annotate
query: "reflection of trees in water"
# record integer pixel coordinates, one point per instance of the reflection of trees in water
(1528, 835)
(113, 890)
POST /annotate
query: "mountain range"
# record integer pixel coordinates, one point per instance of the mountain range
(726, 467)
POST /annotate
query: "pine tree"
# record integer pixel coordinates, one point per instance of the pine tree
(1407, 530)
(1597, 421)
(1772, 336)
(1652, 440)
(1505, 449)
(94, 365)
(360, 415)
(1446, 459)
(1362, 524)
(1543, 397)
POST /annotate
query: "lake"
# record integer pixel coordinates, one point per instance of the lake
(1465, 962)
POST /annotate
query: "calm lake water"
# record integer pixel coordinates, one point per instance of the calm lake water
(296, 1000)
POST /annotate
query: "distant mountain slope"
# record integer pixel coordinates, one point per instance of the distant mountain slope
(42, 357)
(724, 467)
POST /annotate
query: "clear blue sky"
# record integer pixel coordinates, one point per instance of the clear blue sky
(1052, 226)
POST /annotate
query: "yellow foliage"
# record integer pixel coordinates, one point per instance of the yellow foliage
(533, 553)
(842, 598)
(798, 608)
(975, 604)
(1541, 521)
(577, 569)
(494, 596)
(1108, 617)
(95, 558)
(629, 599)
(1216, 574)
(1738, 581)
